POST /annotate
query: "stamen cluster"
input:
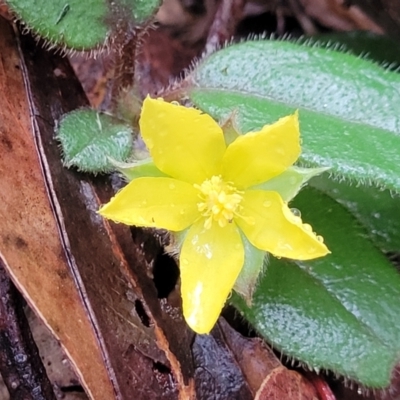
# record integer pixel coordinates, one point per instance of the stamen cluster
(220, 201)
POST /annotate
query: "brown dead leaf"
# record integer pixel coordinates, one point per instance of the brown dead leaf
(29, 238)
(255, 358)
(67, 261)
(145, 347)
(266, 377)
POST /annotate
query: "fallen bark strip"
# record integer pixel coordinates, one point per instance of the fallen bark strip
(20, 364)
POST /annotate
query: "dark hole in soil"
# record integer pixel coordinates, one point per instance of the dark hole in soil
(142, 313)
(256, 25)
(237, 322)
(163, 369)
(72, 388)
(166, 274)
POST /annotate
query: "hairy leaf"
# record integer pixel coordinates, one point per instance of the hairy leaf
(90, 140)
(378, 210)
(80, 25)
(339, 312)
(349, 107)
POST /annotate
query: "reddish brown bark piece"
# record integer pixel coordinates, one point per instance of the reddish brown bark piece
(321, 386)
(255, 358)
(282, 383)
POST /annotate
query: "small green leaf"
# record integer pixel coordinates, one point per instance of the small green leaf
(249, 275)
(89, 140)
(289, 183)
(138, 169)
(339, 312)
(349, 107)
(230, 128)
(378, 210)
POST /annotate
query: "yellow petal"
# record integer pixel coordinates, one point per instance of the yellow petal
(258, 156)
(269, 225)
(210, 262)
(154, 202)
(183, 142)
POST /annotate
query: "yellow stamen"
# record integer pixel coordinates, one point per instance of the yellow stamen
(219, 201)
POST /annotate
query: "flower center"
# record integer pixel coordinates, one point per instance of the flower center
(219, 201)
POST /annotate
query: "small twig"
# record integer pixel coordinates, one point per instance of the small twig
(20, 364)
(305, 22)
(125, 43)
(226, 20)
(125, 62)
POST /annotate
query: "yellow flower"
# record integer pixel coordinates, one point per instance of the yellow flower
(199, 183)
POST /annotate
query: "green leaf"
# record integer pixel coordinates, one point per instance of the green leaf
(78, 24)
(90, 140)
(339, 312)
(249, 275)
(138, 169)
(378, 210)
(289, 183)
(72, 23)
(349, 107)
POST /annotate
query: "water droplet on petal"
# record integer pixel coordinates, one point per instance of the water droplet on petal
(267, 204)
(320, 238)
(195, 239)
(311, 250)
(296, 212)
(307, 227)
(182, 212)
(172, 186)
(280, 150)
(144, 202)
(208, 252)
(296, 220)
(185, 261)
(284, 246)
